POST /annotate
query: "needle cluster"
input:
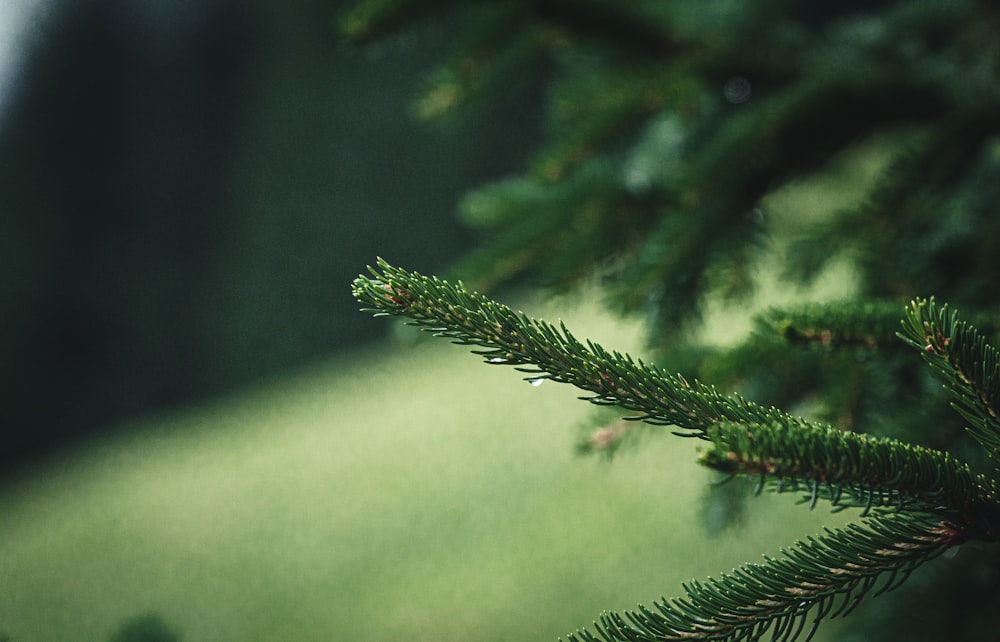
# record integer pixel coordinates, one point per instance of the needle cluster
(915, 501)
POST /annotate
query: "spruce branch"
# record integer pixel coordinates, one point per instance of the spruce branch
(783, 450)
(937, 501)
(847, 469)
(820, 577)
(970, 365)
(545, 351)
(871, 324)
(648, 83)
(497, 49)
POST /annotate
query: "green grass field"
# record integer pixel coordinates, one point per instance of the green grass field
(396, 493)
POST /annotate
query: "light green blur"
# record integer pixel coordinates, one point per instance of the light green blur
(407, 492)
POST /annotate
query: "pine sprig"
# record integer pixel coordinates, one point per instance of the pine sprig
(845, 469)
(848, 469)
(938, 502)
(970, 365)
(817, 578)
(549, 352)
(872, 324)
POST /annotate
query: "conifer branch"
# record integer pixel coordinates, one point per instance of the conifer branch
(871, 324)
(970, 364)
(651, 160)
(938, 502)
(495, 51)
(845, 469)
(819, 577)
(848, 469)
(547, 352)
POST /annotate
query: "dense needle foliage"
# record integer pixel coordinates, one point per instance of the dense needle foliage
(916, 501)
(668, 125)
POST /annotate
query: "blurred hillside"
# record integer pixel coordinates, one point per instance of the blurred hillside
(187, 188)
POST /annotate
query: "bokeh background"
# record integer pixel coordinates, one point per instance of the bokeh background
(202, 437)
(188, 189)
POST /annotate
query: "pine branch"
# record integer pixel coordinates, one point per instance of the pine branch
(916, 203)
(590, 216)
(970, 364)
(938, 502)
(872, 324)
(848, 469)
(845, 469)
(818, 578)
(547, 352)
(597, 107)
(497, 49)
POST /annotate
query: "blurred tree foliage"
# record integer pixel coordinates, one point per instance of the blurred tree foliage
(667, 124)
(178, 181)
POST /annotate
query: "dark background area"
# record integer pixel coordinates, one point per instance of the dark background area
(188, 189)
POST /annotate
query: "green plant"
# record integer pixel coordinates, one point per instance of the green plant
(671, 129)
(677, 140)
(915, 502)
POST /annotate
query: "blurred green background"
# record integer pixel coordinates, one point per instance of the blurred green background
(395, 492)
(203, 439)
(188, 189)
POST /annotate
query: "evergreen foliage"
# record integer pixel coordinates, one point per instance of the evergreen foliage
(668, 122)
(917, 501)
(668, 125)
